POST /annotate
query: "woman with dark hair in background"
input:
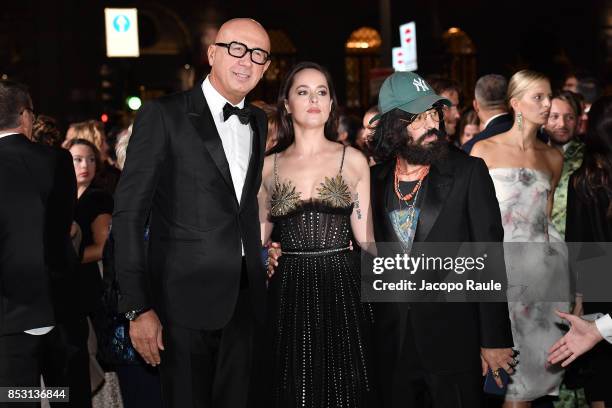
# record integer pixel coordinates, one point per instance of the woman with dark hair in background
(589, 219)
(107, 175)
(315, 196)
(93, 215)
(469, 126)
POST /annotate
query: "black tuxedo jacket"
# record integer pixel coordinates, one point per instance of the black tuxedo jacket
(498, 125)
(177, 178)
(458, 205)
(36, 210)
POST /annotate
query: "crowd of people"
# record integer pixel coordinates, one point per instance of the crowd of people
(141, 266)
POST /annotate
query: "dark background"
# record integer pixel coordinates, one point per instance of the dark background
(57, 46)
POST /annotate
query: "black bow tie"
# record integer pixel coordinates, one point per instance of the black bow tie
(243, 114)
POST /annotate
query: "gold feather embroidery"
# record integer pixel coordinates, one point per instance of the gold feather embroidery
(335, 192)
(284, 198)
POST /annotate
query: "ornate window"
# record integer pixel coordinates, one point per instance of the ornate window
(362, 55)
(462, 53)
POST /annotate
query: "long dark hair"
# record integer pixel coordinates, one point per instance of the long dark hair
(390, 135)
(596, 171)
(286, 135)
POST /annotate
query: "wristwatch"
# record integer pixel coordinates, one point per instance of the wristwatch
(133, 314)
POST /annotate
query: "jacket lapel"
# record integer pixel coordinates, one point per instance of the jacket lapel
(258, 144)
(382, 184)
(203, 122)
(435, 191)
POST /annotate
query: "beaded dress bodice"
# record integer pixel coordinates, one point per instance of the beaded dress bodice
(321, 222)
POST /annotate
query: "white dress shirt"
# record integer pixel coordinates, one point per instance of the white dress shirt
(604, 325)
(7, 134)
(491, 119)
(236, 138)
(40, 330)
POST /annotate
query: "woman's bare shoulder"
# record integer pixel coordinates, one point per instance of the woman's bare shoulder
(554, 158)
(268, 166)
(483, 146)
(356, 157)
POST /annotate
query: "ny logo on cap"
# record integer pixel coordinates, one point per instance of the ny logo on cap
(420, 85)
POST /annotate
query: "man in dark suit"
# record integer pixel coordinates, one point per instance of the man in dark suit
(36, 211)
(490, 105)
(440, 349)
(193, 171)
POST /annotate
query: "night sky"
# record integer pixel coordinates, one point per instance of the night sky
(57, 47)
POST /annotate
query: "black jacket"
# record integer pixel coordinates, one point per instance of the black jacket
(36, 258)
(458, 205)
(587, 222)
(177, 174)
(498, 125)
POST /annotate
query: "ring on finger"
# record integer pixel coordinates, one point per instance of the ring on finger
(496, 373)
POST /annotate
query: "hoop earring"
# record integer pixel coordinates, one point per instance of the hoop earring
(519, 121)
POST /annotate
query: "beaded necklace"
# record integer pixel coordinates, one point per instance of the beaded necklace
(422, 173)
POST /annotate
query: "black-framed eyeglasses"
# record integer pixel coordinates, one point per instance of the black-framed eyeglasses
(238, 50)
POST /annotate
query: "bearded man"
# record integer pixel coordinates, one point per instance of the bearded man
(425, 191)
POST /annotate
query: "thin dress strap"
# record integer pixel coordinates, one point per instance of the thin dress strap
(342, 161)
(275, 170)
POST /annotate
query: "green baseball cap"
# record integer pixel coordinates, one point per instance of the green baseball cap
(406, 91)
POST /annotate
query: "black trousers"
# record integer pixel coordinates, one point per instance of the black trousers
(209, 368)
(60, 356)
(140, 386)
(66, 364)
(416, 387)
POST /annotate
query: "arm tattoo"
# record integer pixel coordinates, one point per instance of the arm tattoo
(356, 200)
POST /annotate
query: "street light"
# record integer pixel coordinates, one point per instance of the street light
(134, 103)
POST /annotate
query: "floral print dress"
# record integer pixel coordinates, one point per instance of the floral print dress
(538, 278)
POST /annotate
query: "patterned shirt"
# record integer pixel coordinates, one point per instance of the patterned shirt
(572, 160)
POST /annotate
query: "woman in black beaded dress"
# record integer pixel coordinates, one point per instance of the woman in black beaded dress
(315, 199)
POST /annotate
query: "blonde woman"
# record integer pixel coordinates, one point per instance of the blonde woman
(123, 139)
(525, 172)
(91, 130)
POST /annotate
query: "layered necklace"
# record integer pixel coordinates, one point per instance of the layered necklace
(421, 174)
(405, 221)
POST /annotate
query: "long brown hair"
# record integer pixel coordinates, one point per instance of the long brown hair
(596, 171)
(285, 133)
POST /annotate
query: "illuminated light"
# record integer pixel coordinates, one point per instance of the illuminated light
(358, 44)
(4, 76)
(134, 103)
(363, 38)
(187, 67)
(104, 118)
(121, 32)
(454, 30)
